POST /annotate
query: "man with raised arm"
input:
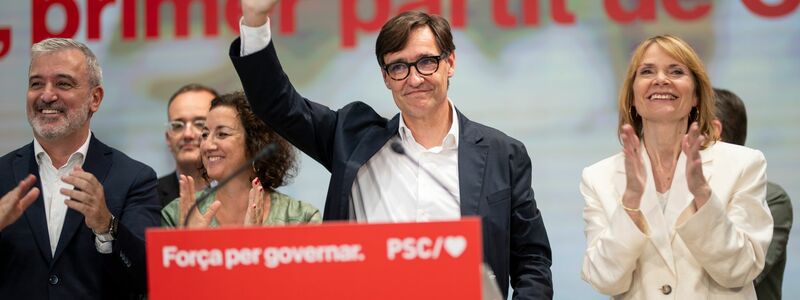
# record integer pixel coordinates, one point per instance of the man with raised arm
(457, 167)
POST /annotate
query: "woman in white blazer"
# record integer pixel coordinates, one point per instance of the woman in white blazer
(677, 214)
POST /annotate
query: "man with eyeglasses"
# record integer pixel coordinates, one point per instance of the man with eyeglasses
(186, 112)
(457, 167)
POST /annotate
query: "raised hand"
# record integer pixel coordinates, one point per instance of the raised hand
(17, 200)
(255, 12)
(690, 146)
(89, 198)
(635, 173)
(187, 200)
(258, 205)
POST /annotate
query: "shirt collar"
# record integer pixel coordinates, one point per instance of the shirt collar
(79, 155)
(450, 140)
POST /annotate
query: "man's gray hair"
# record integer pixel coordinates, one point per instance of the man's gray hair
(59, 44)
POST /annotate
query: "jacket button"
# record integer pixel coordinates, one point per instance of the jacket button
(125, 259)
(53, 280)
(666, 289)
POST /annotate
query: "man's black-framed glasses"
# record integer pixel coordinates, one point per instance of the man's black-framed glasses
(425, 66)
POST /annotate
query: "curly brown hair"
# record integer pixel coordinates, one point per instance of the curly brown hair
(273, 170)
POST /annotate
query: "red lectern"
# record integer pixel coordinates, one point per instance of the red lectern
(436, 260)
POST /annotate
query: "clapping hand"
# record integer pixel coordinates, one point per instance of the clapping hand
(17, 200)
(258, 205)
(88, 197)
(635, 173)
(255, 12)
(690, 146)
(187, 200)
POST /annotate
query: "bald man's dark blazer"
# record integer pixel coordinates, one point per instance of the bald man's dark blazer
(168, 188)
(494, 169)
(28, 270)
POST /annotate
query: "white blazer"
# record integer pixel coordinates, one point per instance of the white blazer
(711, 253)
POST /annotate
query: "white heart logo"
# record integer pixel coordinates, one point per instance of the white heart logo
(455, 245)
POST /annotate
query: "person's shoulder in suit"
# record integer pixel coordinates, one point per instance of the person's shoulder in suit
(776, 194)
(126, 161)
(9, 157)
(503, 147)
(140, 177)
(7, 181)
(493, 135)
(732, 154)
(168, 188)
(166, 180)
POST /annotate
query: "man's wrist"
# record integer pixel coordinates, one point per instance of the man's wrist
(254, 19)
(253, 39)
(110, 232)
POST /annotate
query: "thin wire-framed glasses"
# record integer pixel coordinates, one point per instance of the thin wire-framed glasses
(425, 66)
(178, 126)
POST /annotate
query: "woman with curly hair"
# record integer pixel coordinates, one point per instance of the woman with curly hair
(232, 136)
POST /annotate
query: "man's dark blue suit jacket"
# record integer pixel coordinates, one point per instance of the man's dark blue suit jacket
(28, 270)
(494, 170)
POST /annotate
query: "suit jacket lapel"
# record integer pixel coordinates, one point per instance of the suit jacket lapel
(679, 195)
(98, 163)
(373, 141)
(171, 184)
(662, 223)
(658, 226)
(25, 164)
(472, 153)
(707, 156)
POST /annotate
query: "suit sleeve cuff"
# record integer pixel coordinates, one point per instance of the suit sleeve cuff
(254, 39)
(623, 226)
(104, 248)
(694, 225)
